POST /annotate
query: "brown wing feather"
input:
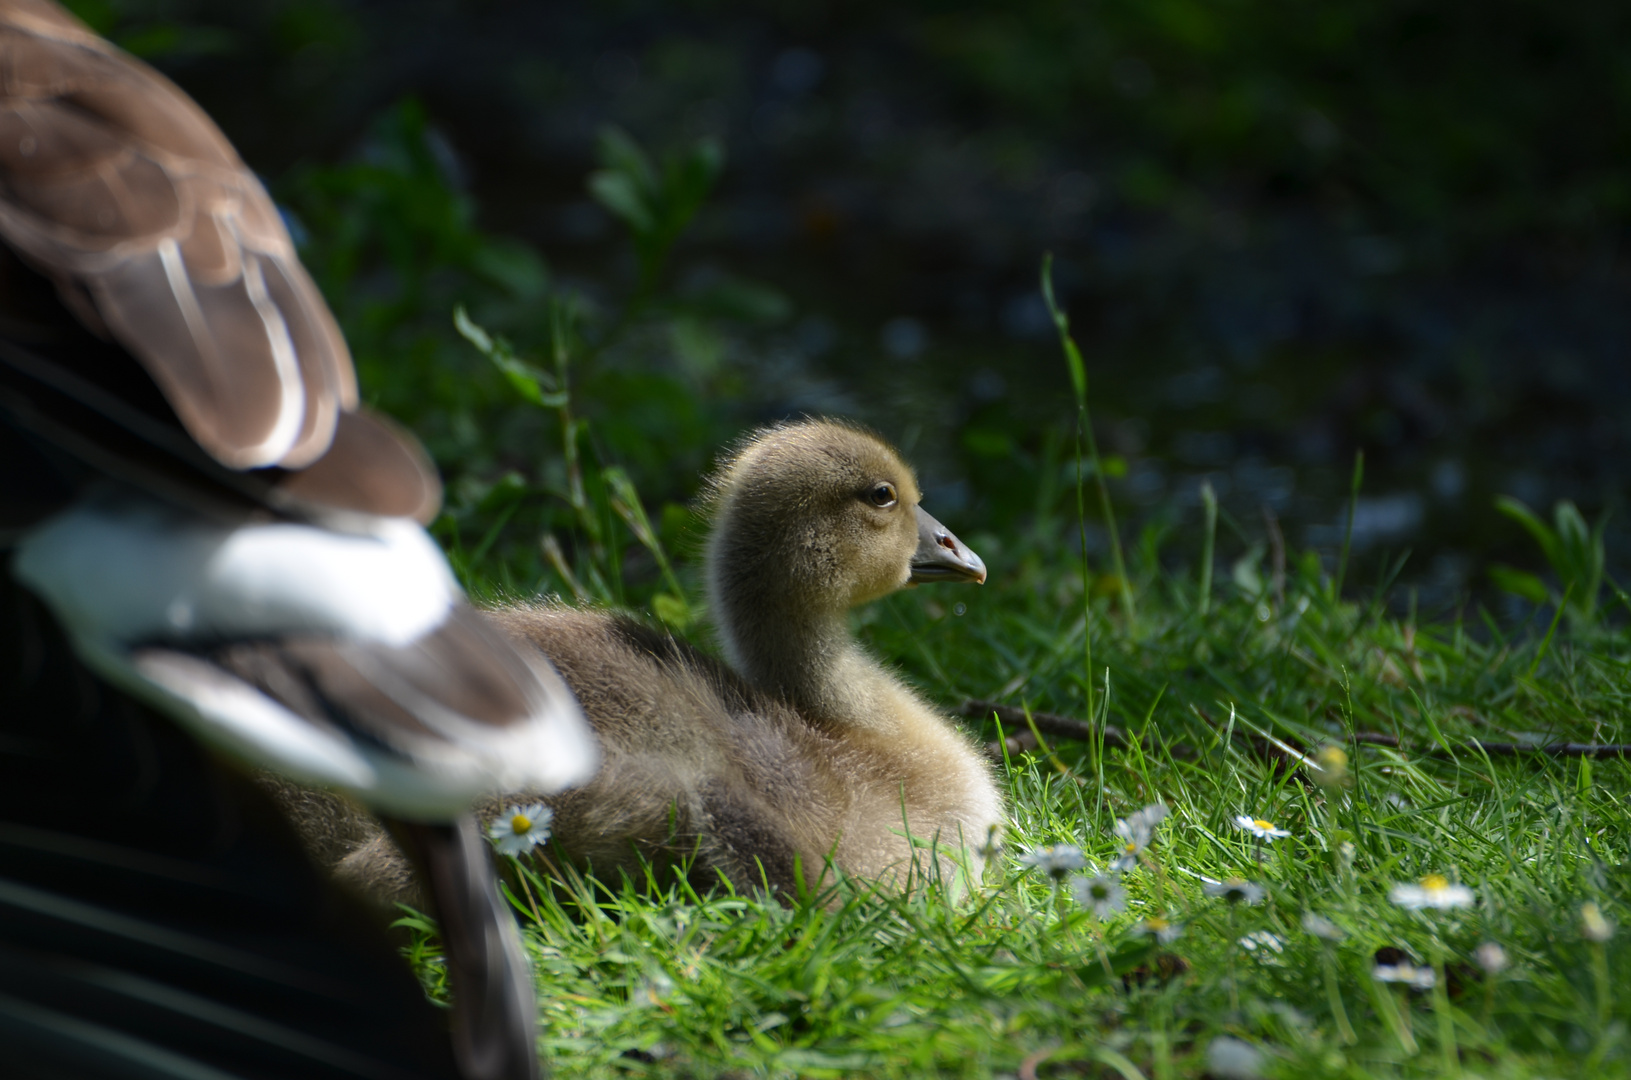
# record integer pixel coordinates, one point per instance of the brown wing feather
(401, 697)
(374, 467)
(115, 183)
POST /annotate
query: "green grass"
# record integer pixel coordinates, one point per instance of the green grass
(647, 978)
(650, 979)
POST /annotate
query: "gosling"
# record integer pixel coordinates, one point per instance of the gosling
(805, 750)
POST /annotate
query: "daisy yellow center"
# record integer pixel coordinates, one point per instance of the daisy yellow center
(521, 823)
(1131, 848)
(1261, 824)
(1157, 924)
(1435, 883)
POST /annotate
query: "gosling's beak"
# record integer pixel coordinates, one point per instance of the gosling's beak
(941, 556)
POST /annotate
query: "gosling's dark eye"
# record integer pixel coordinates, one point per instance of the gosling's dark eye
(883, 495)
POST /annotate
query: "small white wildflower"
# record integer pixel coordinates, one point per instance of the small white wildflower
(1140, 824)
(1163, 930)
(1265, 942)
(1434, 891)
(1593, 925)
(1235, 891)
(518, 828)
(1263, 830)
(1102, 895)
(1055, 860)
(1321, 927)
(1233, 1059)
(1417, 978)
(1136, 830)
(1491, 957)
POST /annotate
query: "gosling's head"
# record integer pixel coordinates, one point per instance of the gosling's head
(817, 516)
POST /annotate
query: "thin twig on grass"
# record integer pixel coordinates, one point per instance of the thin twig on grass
(1068, 727)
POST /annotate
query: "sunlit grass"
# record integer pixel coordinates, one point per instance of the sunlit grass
(648, 978)
(1219, 682)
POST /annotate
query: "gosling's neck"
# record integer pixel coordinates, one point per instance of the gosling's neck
(805, 655)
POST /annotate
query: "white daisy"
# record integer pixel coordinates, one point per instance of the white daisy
(1593, 926)
(1140, 824)
(1163, 930)
(1491, 957)
(1136, 830)
(1434, 891)
(1417, 978)
(1263, 830)
(1102, 895)
(1055, 860)
(1235, 891)
(1266, 943)
(1229, 1058)
(1321, 927)
(518, 828)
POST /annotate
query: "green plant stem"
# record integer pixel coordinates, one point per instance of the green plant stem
(1084, 426)
(1388, 1008)
(1599, 975)
(1546, 642)
(1334, 995)
(1348, 532)
(1147, 857)
(1087, 579)
(523, 876)
(1446, 1019)
(1116, 559)
(1209, 500)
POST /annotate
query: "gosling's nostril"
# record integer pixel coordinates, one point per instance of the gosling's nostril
(947, 542)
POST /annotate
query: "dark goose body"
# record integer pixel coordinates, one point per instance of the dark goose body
(207, 542)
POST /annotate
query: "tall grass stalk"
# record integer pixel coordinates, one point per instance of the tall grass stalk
(1084, 431)
(1448, 1052)
(1209, 502)
(1348, 530)
(1333, 995)
(1396, 1019)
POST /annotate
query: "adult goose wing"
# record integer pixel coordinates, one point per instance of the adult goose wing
(254, 504)
(158, 916)
(118, 187)
(219, 530)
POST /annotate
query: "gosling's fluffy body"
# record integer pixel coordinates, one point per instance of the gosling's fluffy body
(805, 748)
(698, 763)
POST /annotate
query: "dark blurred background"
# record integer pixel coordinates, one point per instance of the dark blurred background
(1283, 231)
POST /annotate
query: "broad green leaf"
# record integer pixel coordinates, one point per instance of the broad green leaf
(619, 194)
(620, 153)
(1519, 583)
(514, 265)
(1537, 528)
(531, 383)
